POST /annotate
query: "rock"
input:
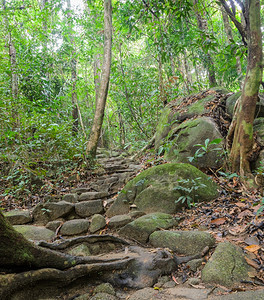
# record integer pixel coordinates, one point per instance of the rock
(161, 281)
(248, 295)
(157, 189)
(170, 294)
(194, 264)
(182, 242)
(53, 225)
(141, 228)
(169, 285)
(194, 281)
(72, 198)
(172, 117)
(97, 222)
(230, 103)
(136, 214)
(187, 135)
(80, 250)
(226, 266)
(144, 294)
(119, 221)
(83, 297)
(105, 288)
(35, 233)
(74, 227)
(92, 196)
(45, 212)
(89, 208)
(18, 217)
(103, 296)
(81, 190)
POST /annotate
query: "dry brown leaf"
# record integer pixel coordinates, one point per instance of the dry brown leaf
(174, 279)
(219, 221)
(197, 286)
(252, 248)
(245, 213)
(252, 263)
(241, 204)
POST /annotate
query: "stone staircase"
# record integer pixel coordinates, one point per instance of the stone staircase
(82, 210)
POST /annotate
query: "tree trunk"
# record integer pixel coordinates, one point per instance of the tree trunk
(209, 63)
(243, 127)
(104, 84)
(229, 35)
(73, 73)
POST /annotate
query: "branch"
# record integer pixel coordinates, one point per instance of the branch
(146, 4)
(238, 25)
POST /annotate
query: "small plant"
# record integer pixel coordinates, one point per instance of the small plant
(189, 188)
(204, 149)
(228, 175)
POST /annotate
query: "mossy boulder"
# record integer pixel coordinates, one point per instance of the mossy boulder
(176, 112)
(141, 228)
(18, 216)
(182, 242)
(35, 233)
(227, 266)
(158, 189)
(187, 135)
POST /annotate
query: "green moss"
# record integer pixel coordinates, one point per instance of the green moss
(248, 129)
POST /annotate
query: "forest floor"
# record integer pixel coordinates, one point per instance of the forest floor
(237, 215)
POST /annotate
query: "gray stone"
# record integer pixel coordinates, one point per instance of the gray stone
(194, 264)
(141, 228)
(186, 293)
(97, 222)
(74, 227)
(182, 242)
(103, 296)
(157, 189)
(81, 190)
(35, 233)
(72, 198)
(92, 196)
(18, 217)
(80, 250)
(187, 135)
(89, 208)
(83, 297)
(45, 212)
(230, 103)
(248, 295)
(194, 281)
(169, 284)
(136, 214)
(226, 266)
(144, 294)
(105, 288)
(119, 221)
(54, 225)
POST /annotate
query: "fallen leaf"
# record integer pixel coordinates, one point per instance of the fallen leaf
(240, 204)
(218, 221)
(197, 286)
(174, 279)
(252, 263)
(252, 248)
(245, 213)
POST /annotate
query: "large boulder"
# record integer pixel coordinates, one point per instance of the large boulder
(141, 228)
(226, 266)
(182, 242)
(157, 189)
(187, 135)
(185, 108)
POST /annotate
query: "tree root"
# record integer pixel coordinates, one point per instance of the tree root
(11, 283)
(90, 239)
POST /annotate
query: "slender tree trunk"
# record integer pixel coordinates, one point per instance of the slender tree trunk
(104, 84)
(75, 124)
(229, 35)
(243, 127)
(209, 63)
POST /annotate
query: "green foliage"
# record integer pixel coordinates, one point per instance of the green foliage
(188, 188)
(204, 149)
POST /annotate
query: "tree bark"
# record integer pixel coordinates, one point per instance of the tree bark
(209, 63)
(243, 130)
(73, 73)
(104, 84)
